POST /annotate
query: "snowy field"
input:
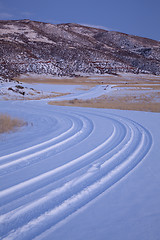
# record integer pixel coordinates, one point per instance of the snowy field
(79, 173)
(14, 91)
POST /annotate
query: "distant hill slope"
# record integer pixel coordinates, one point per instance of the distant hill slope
(72, 49)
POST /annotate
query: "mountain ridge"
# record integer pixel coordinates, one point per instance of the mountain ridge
(71, 49)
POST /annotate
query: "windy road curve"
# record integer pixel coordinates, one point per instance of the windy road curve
(68, 157)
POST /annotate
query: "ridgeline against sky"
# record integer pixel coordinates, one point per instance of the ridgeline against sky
(73, 50)
(138, 17)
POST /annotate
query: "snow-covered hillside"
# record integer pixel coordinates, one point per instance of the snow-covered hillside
(71, 50)
(79, 173)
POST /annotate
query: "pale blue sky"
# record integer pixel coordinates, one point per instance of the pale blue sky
(137, 17)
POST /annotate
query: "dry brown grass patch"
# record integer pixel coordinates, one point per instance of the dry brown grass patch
(140, 103)
(8, 124)
(59, 81)
(137, 87)
(94, 80)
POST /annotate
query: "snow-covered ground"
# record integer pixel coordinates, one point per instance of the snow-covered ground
(79, 173)
(45, 89)
(14, 90)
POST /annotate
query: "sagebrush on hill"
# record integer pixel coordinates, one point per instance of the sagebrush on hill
(72, 50)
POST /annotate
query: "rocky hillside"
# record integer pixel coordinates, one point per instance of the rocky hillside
(71, 50)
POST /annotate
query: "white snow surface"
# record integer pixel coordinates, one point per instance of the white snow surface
(41, 90)
(79, 173)
(85, 94)
(29, 33)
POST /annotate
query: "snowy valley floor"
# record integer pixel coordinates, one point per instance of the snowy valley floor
(79, 173)
(127, 91)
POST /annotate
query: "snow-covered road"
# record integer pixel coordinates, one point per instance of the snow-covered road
(66, 159)
(89, 94)
(13, 90)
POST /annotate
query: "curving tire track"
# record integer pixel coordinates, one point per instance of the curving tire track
(83, 160)
(80, 128)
